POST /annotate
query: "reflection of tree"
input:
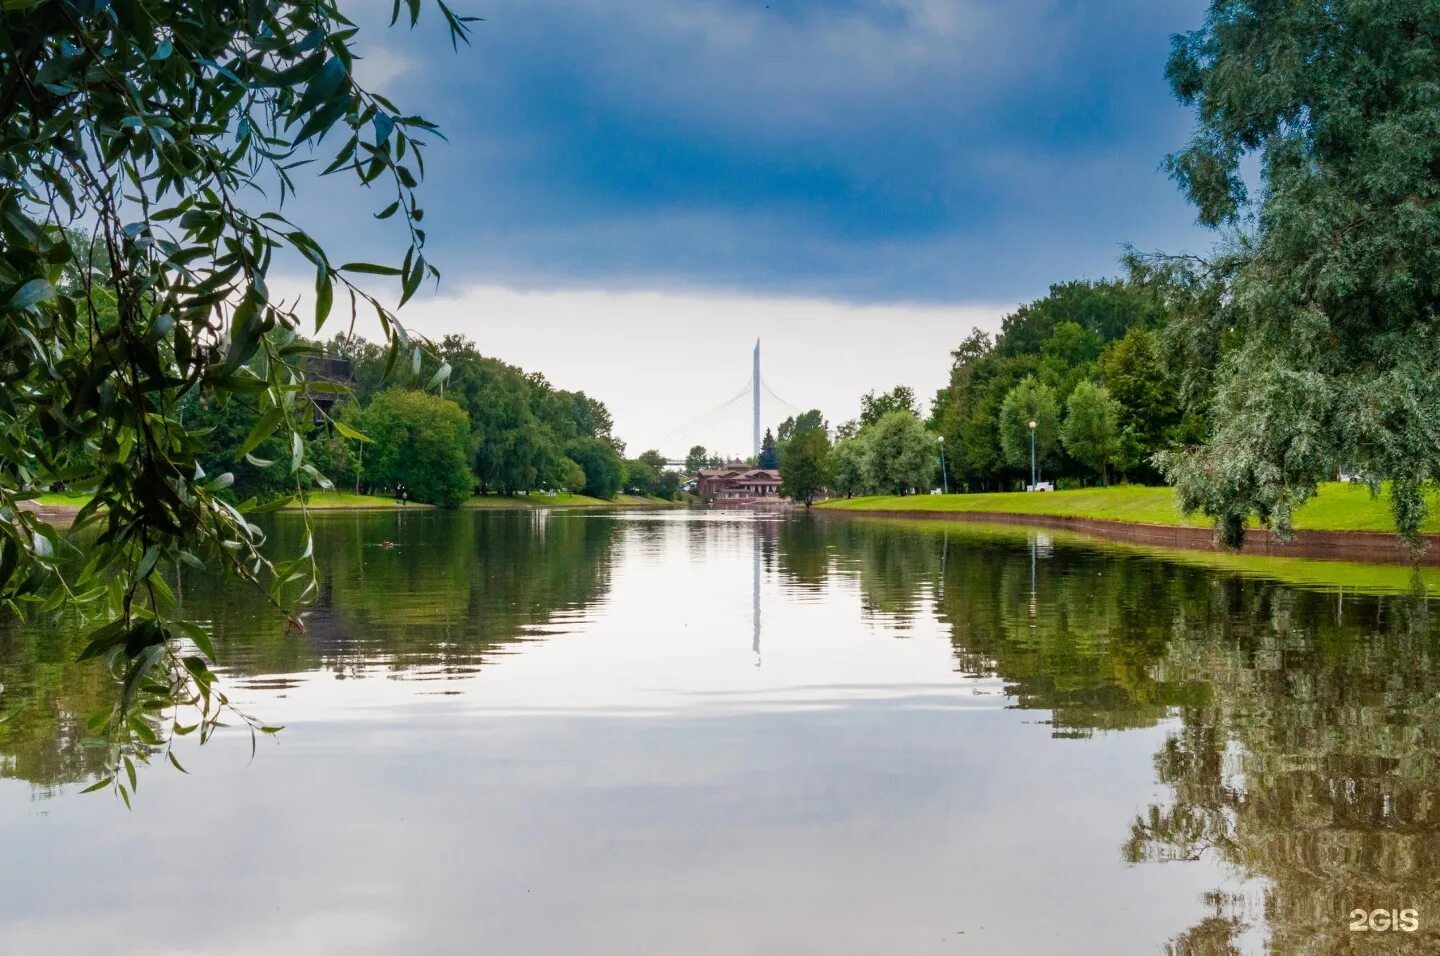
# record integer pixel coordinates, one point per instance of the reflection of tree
(1315, 764)
(48, 698)
(454, 589)
(1307, 752)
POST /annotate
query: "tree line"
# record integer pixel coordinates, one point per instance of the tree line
(485, 427)
(1084, 364)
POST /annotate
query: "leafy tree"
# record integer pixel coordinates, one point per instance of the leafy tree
(1325, 345)
(900, 454)
(1106, 309)
(1091, 432)
(1071, 345)
(572, 476)
(604, 471)
(769, 454)
(172, 131)
(418, 440)
(1029, 402)
(1135, 375)
(848, 473)
(874, 407)
(647, 475)
(804, 422)
(696, 459)
(805, 465)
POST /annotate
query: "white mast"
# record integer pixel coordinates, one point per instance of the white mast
(755, 396)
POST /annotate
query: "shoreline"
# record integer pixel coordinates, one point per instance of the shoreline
(1372, 546)
(66, 513)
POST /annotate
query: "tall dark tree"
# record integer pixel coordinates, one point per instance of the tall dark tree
(1324, 349)
(769, 453)
(806, 466)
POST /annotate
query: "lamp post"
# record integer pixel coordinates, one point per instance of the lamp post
(1033, 482)
(944, 478)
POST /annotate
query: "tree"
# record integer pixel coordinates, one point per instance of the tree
(805, 465)
(804, 422)
(171, 131)
(874, 407)
(420, 441)
(848, 473)
(1150, 410)
(1106, 309)
(1029, 402)
(604, 471)
(1325, 343)
(1091, 432)
(696, 459)
(769, 455)
(900, 454)
(647, 475)
(572, 476)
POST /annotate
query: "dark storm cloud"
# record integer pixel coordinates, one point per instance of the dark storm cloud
(898, 149)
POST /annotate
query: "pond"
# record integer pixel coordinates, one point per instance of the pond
(708, 732)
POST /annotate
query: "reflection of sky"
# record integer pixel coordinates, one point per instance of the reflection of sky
(630, 782)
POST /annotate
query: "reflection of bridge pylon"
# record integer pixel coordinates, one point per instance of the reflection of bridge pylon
(755, 595)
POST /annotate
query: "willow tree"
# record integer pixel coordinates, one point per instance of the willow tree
(1313, 331)
(146, 147)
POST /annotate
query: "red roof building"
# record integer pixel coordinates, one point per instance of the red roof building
(737, 483)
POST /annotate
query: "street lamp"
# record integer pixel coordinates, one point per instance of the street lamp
(1033, 482)
(944, 478)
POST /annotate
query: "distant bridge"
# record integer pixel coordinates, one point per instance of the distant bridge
(762, 398)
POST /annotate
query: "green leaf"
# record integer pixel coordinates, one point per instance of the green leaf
(263, 429)
(324, 297)
(370, 268)
(349, 432)
(100, 784)
(29, 293)
(147, 563)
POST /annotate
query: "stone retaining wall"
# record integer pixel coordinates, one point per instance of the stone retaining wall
(1331, 545)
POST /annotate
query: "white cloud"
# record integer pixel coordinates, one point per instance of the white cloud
(378, 67)
(662, 359)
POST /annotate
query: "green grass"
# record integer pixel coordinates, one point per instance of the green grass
(1338, 507)
(63, 499)
(337, 500)
(348, 500)
(564, 499)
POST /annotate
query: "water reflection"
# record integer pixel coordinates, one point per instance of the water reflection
(930, 696)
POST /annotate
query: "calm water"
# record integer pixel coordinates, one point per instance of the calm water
(689, 733)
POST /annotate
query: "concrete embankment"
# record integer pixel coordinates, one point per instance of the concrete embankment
(1332, 545)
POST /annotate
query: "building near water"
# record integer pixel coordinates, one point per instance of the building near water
(737, 483)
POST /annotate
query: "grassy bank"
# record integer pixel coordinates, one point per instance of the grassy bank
(1338, 507)
(566, 500)
(348, 500)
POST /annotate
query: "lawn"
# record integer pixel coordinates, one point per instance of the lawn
(337, 500)
(63, 499)
(564, 499)
(1338, 507)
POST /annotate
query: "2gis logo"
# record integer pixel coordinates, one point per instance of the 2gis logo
(1382, 921)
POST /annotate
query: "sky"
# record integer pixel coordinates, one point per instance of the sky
(634, 191)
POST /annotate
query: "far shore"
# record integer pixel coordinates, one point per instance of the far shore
(64, 507)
